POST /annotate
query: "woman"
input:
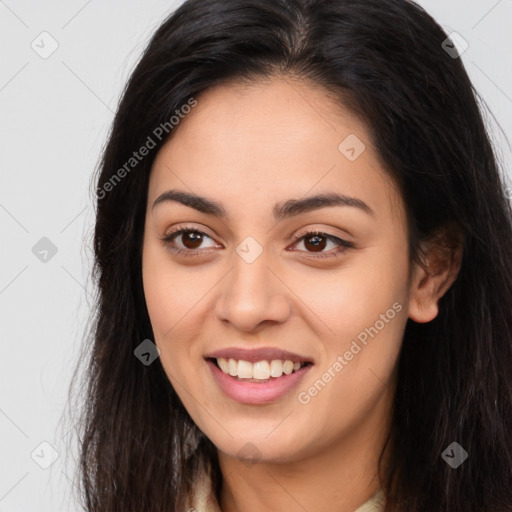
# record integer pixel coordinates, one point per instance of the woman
(302, 255)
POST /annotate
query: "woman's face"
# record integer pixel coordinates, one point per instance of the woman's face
(250, 280)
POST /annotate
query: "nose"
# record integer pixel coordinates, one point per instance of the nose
(252, 295)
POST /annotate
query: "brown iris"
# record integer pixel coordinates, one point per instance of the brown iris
(192, 239)
(315, 245)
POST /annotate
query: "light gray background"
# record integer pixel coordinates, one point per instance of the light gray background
(54, 117)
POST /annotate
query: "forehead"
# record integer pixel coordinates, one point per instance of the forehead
(288, 118)
(274, 139)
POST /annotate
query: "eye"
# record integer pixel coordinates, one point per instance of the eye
(191, 239)
(317, 241)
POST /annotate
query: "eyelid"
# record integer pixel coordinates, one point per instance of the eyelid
(326, 231)
(302, 232)
(187, 227)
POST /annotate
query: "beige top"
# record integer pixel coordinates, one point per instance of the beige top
(204, 499)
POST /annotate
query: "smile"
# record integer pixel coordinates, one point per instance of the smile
(258, 376)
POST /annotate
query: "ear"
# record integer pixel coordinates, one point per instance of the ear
(441, 258)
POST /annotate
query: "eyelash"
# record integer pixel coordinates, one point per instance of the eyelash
(195, 252)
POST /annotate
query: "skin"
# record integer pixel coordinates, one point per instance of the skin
(249, 147)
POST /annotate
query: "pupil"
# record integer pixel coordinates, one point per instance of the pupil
(192, 239)
(317, 246)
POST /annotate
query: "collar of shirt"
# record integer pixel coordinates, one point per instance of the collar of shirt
(204, 499)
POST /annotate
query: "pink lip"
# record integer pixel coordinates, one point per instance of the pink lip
(258, 354)
(255, 392)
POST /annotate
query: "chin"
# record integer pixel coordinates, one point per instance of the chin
(258, 448)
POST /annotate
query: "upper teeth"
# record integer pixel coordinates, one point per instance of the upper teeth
(260, 370)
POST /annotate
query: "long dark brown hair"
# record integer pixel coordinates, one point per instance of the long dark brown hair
(387, 61)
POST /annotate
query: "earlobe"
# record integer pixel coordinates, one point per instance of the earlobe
(422, 301)
(432, 280)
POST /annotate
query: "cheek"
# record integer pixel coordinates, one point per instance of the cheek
(364, 306)
(171, 291)
(170, 298)
(351, 298)
(357, 370)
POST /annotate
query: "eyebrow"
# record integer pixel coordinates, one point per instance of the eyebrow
(281, 211)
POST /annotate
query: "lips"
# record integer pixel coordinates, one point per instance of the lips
(232, 370)
(259, 354)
